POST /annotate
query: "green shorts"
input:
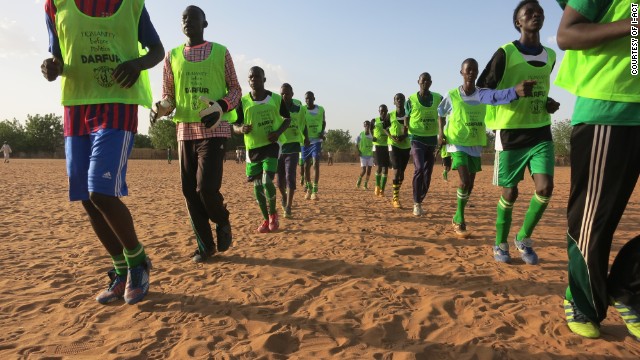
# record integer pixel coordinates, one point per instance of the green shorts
(461, 158)
(269, 165)
(508, 169)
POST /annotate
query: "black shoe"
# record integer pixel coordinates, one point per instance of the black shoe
(224, 238)
(199, 257)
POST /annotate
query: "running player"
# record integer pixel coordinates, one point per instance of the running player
(380, 140)
(364, 145)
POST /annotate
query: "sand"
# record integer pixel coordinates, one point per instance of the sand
(348, 277)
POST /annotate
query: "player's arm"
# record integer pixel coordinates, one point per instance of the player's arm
(493, 72)
(373, 125)
(239, 127)
(577, 32)
(324, 125)
(52, 67)
(286, 116)
(444, 108)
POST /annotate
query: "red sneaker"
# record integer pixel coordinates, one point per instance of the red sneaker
(264, 228)
(274, 224)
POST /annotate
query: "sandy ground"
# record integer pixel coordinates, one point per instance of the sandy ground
(348, 277)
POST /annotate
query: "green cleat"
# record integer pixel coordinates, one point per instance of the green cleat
(631, 319)
(578, 323)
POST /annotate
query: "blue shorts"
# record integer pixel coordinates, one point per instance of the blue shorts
(312, 151)
(98, 163)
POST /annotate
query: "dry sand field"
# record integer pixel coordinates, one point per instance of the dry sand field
(348, 277)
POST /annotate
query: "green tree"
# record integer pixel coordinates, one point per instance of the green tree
(163, 134)
(13, 133)
(338, 140)
(44, 133)
(561, 132)
(142, 141)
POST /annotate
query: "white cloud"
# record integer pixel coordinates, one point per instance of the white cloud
(551, 40)
(275, 74)
(16, 41)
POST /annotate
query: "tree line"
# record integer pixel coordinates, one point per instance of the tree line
(44, 134)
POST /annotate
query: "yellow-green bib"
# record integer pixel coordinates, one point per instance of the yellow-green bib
(465, 124)
(264, 117)
(423, 121)
(314, 122)
(397, 129)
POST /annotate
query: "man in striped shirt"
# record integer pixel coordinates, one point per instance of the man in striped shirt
(201, 68)
(103, 83)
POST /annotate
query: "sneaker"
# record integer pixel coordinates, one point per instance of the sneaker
(578, 323)
(314, 196)
(199, 257)
(264, 228)
(396, 204)
(307, 196)
(460, 229)
(137, 282)
(274, 224)
(366, 187)
(115, 291)
(376, 191)
(287, 213)
(381, 193)
(224, 238)
(526, 251)
(501, 253)
(631, 318)
(417, 209)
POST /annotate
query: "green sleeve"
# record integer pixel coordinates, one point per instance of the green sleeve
(593, 10)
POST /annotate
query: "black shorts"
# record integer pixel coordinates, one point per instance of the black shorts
(400, 158)
(382, 156)
(446, 162)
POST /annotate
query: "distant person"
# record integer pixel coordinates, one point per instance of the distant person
(399, 149)
(315, 121)
(169, 155)
(422, 109)
(290, 147)
(364, 145)
(202, 127)
(101, 94)
(262, 118)
(463, 133)
(523, 129)
(605, 162)
(6, 149)
(446, 162)
(380, 139)
(329, 158)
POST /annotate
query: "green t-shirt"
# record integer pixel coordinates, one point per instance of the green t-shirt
(594, 111)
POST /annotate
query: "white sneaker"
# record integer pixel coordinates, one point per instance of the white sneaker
(417, 209)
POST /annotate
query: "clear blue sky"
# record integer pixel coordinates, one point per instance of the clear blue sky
(353, 54)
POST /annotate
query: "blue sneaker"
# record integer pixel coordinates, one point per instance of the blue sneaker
(501, 253)
(631, 319)
(527, 253)
(137, 282)
(115, 291)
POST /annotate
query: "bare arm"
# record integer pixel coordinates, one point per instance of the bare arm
(576, 32)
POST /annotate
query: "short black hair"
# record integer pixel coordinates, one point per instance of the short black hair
(468, 60)
(425, 74)
(261, 70)
(383, 105)
(204, 16)
(309, 93)
(287, 85)
(517, 10)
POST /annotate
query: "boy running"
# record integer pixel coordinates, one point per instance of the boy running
(465, 134)
(446, 162)
(290, 141)
(100, 119)
(315, 127)
(523, 128)
(605, 160)
(380, 140)
(422, 108)
(6, 149)
(399, 148)
(364, 144)
(262, 118)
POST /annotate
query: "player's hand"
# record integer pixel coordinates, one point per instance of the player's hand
(51, 68)
(246, 129)
(127, 73)
(307, 142)
(552, 106)
(525, 88)
(441, 140)
(273, 136)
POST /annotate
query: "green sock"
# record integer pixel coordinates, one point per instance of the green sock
(568, 294)
(366, 184)
(315, 188)
(383, 182)
(309, 185)
(445, 174)
(258, 191)
(135, 256)
(463, 198)
(270, 191)
(396, 191)
(119, 264)
(503, 220)
(359, 181)
(378, 176)
(536, 208)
